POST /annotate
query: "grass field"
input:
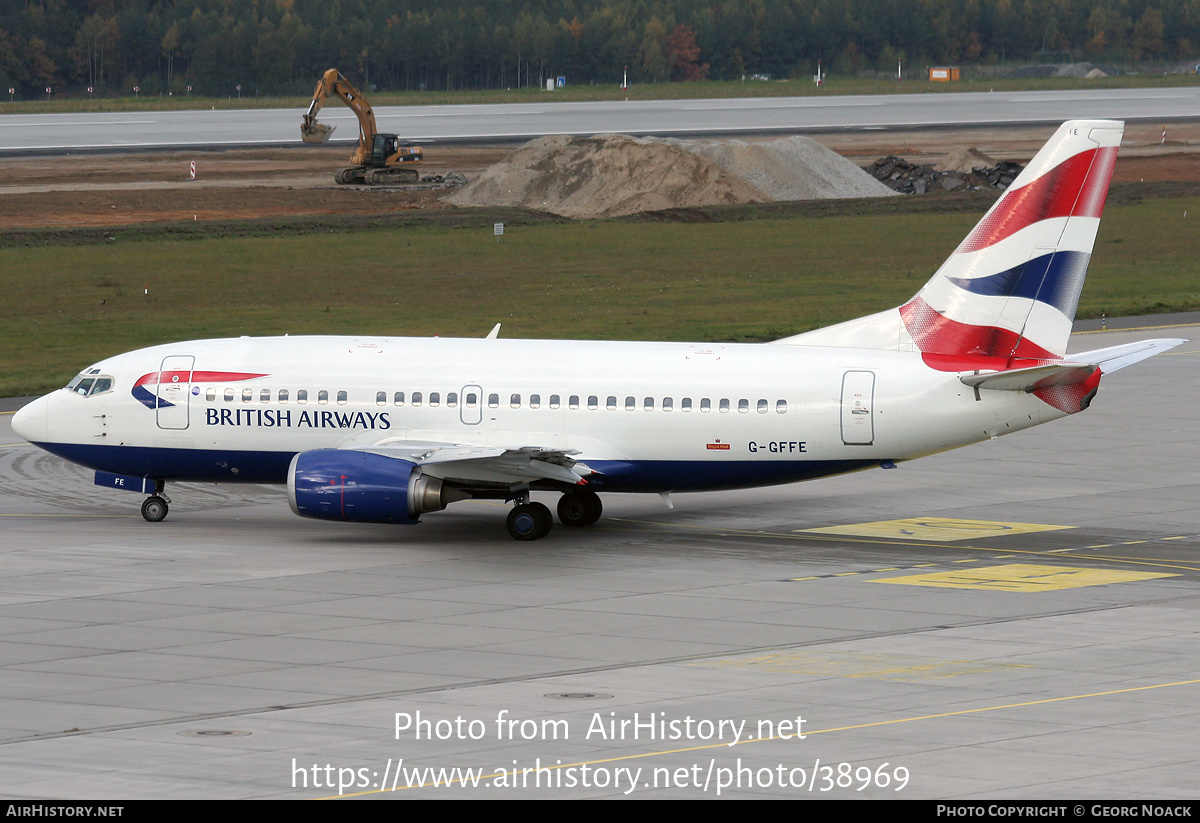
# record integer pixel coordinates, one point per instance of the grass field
(833, 86)
(738, 279)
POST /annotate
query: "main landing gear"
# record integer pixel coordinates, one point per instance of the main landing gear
(581, 508)
(529, 521)
(532, 521)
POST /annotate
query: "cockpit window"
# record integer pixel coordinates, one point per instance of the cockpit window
(86, 383)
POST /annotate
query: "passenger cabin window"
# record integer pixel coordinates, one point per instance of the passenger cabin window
(398, 398)
(762, 406)
(593, 401)
(685, 404)
(380, 398)
(667, 403)
(435, 398)
(705, 404)
(724, 405)
(416, 398)
(743, 406)
(535, 401)
(781, 406)
(247, 395)
(342, 398)
(210, 394)
(283, 395)
(612, 403)
(648, 404)
(554, 401)
(229, 395)
(515, 401)
(573, 402)
(493, 401)
(264, 396)
(322, 396)
(470, 400)
(452, 399)
(302, 396)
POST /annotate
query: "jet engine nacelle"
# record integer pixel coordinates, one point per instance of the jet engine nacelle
(362, 487)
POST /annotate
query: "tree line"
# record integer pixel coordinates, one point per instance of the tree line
(210, 47)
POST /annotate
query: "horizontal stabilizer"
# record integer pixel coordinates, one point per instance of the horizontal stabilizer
(1079, 369)
(1037, 377)
(1118, 357)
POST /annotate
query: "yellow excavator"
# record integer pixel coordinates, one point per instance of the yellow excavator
(379, 158)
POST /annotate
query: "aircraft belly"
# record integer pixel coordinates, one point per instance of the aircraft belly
(194, 464)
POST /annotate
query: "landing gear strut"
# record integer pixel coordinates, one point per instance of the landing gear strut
(529, 521)
(579, 508)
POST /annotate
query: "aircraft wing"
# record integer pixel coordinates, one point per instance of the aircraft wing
(491, 465)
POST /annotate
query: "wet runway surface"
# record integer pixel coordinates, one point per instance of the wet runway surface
(1017, 619)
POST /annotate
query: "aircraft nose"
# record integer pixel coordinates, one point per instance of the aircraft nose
(30, 420)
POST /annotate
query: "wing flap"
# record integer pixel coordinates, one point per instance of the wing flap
(492, 465)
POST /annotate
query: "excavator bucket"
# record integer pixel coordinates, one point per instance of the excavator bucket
(316, 133)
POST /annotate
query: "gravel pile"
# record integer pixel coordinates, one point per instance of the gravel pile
(604, 176)
(613, 174)
(792, 168)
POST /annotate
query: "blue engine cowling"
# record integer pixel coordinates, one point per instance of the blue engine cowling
(361, 487)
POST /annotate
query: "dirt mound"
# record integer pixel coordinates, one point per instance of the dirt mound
(614, 174)
(604, 176)
(791, 168)
(964, 160)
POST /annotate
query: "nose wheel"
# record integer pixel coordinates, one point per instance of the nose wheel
(529, 521)
(154, 508)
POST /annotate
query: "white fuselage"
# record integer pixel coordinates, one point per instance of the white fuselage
(645, 416)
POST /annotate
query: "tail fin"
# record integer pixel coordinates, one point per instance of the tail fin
(1011, 287)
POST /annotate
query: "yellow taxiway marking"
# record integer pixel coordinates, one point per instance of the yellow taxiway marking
(1022, 577)
(799, 535)
(939, 529)
(499, 773)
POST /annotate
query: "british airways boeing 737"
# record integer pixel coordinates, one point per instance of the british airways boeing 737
(383, 430)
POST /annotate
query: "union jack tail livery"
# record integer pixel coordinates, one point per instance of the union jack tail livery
(1007, 295)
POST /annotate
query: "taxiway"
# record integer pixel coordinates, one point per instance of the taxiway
(1016, 619)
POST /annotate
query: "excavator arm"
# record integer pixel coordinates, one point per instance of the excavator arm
(332, 83)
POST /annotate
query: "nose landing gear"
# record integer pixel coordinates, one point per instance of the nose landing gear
(156, 506)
